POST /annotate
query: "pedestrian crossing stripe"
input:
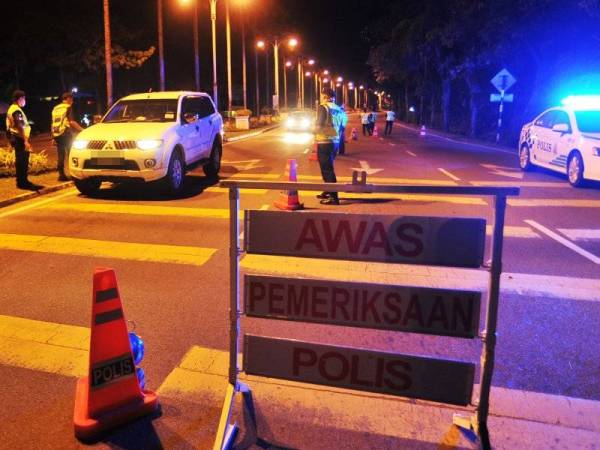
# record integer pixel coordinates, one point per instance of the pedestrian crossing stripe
(576, 234)
(171, 254)
(537, 184)
(419, 198)
(553, 202)
(384, 180)
(220, 190)
(143, 210)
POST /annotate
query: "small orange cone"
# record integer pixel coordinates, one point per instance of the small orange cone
(376, 131)
(313, 155)
(423, 131)
(354, 134)
(288, 200)
(110, 395)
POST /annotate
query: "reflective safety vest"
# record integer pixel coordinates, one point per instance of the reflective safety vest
(60, 121)
(11, 126)
(330, 132)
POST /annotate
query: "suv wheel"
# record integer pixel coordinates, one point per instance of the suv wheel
(175, 173)
(525, 158)
(88, 186)
(575, 170)
(212, 168)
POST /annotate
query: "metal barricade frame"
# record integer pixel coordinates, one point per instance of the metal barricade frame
(478, 423)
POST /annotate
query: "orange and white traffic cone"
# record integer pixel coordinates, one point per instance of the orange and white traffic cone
(111, 394)
(423, 131)
(376, 131)
(313, 155)
(288, 200)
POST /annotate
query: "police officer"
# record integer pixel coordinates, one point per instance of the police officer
(18, 131)
(327, 137)
(63, 126)
(344, 124)
(390, 116)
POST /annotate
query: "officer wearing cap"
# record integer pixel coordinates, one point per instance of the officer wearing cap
(327, 137)
(63, 127)
(18, 131)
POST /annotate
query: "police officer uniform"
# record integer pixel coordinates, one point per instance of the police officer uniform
(62, 120)
(327, 137)
(343, 125)
(18, 131)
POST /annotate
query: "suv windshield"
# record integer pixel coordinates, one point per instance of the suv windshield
(588, 121)
(146, 110)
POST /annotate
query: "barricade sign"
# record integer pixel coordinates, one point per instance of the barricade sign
(443, 241)
(365, 370)
(443, 312)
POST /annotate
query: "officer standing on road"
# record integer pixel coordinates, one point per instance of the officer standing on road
(389, 122)
(327, 136)
(342, 144)
(63, 126)
(372, 120)
(18, 131)
(364, 120)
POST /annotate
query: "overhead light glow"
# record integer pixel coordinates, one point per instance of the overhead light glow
(311, 62)
(326, 72)
(339, 79)
(582, 102)
(288, 64)
(293, 42)
(260, 44)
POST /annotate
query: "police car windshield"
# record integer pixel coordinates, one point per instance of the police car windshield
(146, 110)
(588, 121)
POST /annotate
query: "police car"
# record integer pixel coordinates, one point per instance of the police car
(565, 139)
(152, 136)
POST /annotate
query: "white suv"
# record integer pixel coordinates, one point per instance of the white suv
(565, 139)
(158, 135)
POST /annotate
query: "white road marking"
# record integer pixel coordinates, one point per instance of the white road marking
(38, 204)
(365, 167)
(306, 150)
(392, 144)
(580, 234)
(563, 241)
(411, 153)
(504, 171)
(445, 172)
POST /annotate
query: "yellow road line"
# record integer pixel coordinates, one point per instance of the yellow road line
(174, 254)
(263, 176)
(459, 200)
(44, 346)
(220, 190)
(554, 202)
(37, 204)
(145, 210)
(518, 232)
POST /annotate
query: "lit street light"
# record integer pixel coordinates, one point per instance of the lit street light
(196, 43)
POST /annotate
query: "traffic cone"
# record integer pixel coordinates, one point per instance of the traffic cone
(376, 131)
(288, 200)
(354, 134)
(111, 394)
(313, 155)
(423, 131)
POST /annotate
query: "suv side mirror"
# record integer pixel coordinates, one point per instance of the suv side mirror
(561, 128)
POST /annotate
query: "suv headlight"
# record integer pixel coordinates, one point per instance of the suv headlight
(149, 144)
(80, 144)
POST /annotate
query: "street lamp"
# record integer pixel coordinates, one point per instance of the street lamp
(161, 49)
(288, 64)
(196, 44)
(228, 38)
(276, 43)
(260, 45)
(213, 19)
(107, 54)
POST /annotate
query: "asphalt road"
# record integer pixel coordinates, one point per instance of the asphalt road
(548, 341)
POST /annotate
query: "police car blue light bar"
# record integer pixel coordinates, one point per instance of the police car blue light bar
(582, 102)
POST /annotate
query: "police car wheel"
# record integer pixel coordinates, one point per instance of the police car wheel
(525, 158)
(575, 170)
(175, 173)
(88, 186)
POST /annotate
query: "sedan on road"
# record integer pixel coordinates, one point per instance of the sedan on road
(565, 139)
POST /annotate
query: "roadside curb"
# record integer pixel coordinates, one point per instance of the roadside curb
(29, 195)
(249, 135)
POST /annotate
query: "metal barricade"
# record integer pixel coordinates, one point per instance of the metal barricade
(477, 423)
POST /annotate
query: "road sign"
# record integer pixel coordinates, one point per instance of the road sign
(443, 312)
(433, 379)
(457, 242)
(503, 80)
(495, 98)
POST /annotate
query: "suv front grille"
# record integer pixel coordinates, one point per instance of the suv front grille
(101, 163)
(124, 145)
(96, 145)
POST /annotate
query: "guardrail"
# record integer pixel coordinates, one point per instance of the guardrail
(396, 239)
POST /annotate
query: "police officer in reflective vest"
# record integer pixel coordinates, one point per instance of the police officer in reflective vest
(18, 131)
(63, 125)
(327, 137)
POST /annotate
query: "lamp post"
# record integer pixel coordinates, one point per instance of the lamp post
(107, 54)
(196, 48)
(288, 64)
(228, 37)
(244, 76)
(213, 19)
(257, 99)
(276, 43)
(161, 47)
